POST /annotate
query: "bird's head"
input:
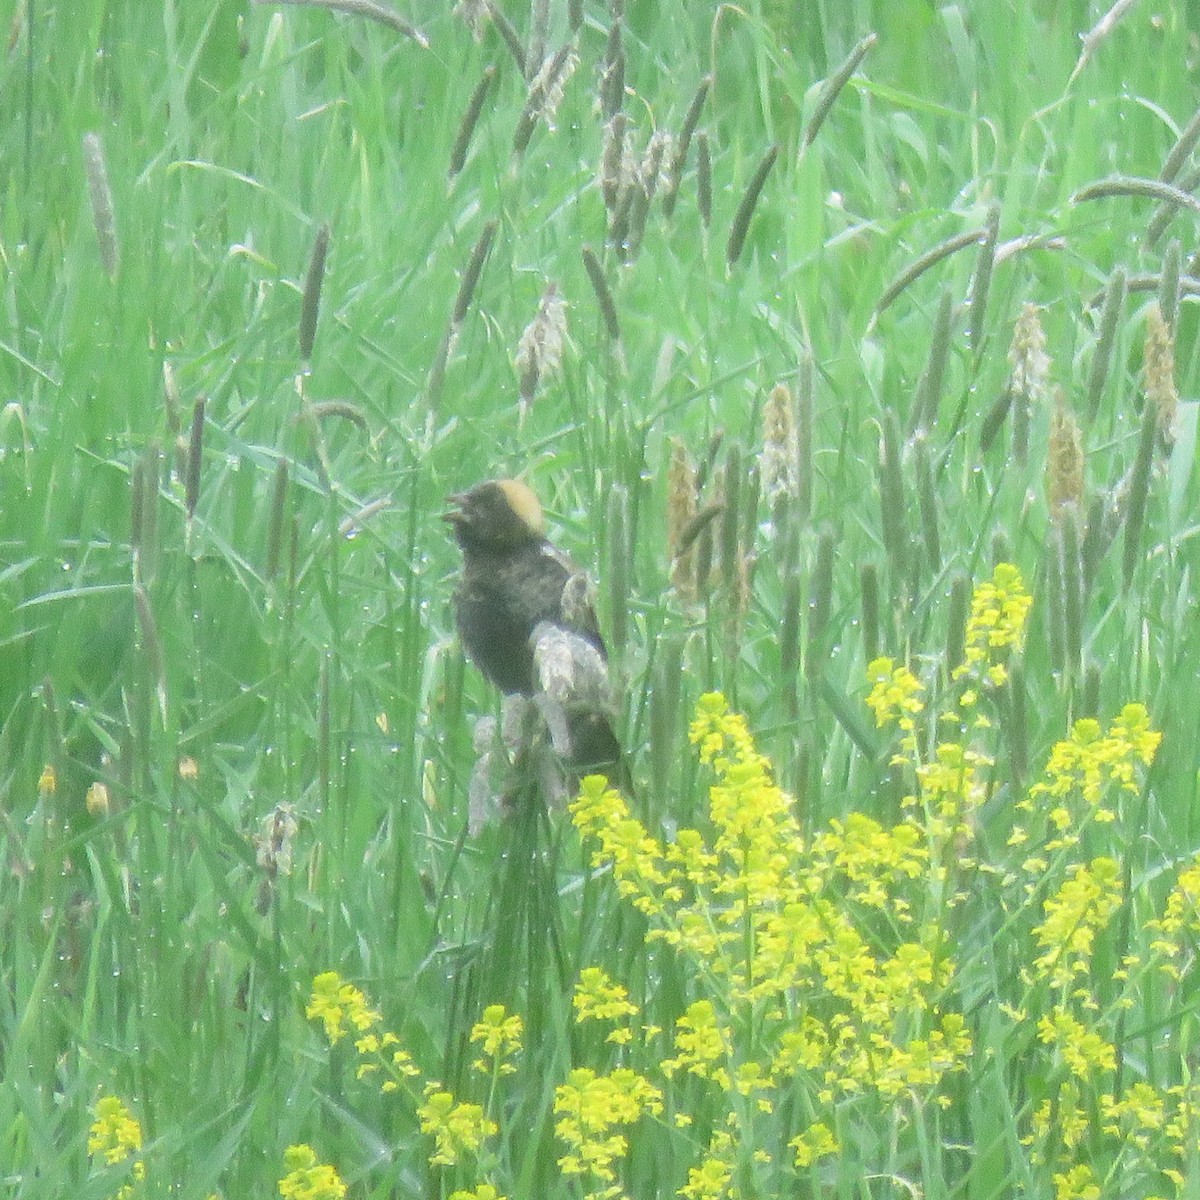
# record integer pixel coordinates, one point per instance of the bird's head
(500, 514)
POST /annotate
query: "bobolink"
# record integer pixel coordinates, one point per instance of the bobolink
(526, 619)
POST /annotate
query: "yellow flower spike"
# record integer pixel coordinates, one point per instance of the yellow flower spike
(500, 1034)
(999, 610)
(816, 1142)
(598, 998)
(1089, 760)
(115, 1134)
(308, 1179)
(702, 1044)
(339, 1006)
(590, 1108)
(1079, 1183)
(1081, 907)
(457, 1128)
(1083, 1050)
(895, 696)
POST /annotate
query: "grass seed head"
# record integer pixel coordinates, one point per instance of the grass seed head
(1158, 374)
(1064, 460)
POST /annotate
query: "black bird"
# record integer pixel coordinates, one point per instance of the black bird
(526, 619)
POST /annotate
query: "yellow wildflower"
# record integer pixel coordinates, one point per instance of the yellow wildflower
(1083, 1049)
(1079, 1183)
(500, 1033)
(895, 696)
(999, 609)
(599, 998)
(308, 1179)
(115, 1134)
(817, 1141)
(457, 1128)
(1081, 907)
(591, 1107)
(702, 1044)
(338, 1004)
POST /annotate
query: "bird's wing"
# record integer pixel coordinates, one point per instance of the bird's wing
(578, 603)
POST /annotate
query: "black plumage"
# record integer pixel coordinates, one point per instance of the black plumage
(526, 618)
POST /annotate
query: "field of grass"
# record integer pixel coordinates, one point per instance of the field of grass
(238, 745)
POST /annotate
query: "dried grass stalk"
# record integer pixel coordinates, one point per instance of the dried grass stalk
(1158, 375)
(100, 196)
(1064, 461)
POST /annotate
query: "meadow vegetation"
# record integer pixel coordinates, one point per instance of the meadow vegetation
(852, 346)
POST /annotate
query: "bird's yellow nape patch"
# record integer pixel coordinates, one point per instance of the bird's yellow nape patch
(525, 504)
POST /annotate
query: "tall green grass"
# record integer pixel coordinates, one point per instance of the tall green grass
(280, 633)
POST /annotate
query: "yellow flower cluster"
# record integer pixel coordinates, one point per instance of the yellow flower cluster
(895, 696)
(114, 1138)
(1180, 923)
(999, 609)
(600, 998)
(592, 1111)
(485, 1191)
(1090, 761)
(340, 1006)
(784, 928)
(115, 1134)
(1080, 908)
(307, 1178)
(457, 1128)
(702, 1045)
(1083, 1050)
(500, 1034)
